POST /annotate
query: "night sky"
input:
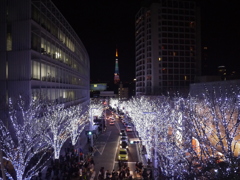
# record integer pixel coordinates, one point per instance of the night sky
(103, 25)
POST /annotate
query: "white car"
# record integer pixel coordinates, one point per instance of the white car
(112, 119)
(129, 128)
(111, 123)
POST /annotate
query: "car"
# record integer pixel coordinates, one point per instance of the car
(123, 145)
(124, 135)
(111, 123)
(123, 138)
(123, 132)
(112, 119)
(129, 128)
(122, 154)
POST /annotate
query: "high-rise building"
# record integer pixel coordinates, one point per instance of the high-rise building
(167, 40)
(123, 92)
(41, 54)
(116, 74)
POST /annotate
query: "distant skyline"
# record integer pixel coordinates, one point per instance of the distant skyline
(104, 25)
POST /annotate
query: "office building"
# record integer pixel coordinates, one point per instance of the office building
(41, 54)
(123, 92)
(167, 40)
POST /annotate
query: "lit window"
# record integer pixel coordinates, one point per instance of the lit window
(64, 94)
(9, 42)
(58, 55)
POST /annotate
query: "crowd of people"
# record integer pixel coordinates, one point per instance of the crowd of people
(123, 172)
(73, 165)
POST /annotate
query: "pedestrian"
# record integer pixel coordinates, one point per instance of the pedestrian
(80, 150)
(81, 156)
(113, 172)
(80, 172)
(88, 173)
(90, 149)
(140, 166)
(119, 165)
(92, 161)
(108, 175)
(128, 171)
(136, 166)
(101, 174)
(121, 176)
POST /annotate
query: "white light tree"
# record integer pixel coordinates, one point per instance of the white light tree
(95, 109)
(56, 122)
(143, 113)
(22, 145)
(78, 118)
(114, 103)
(216, 121)
(174, 139)
(159, 122)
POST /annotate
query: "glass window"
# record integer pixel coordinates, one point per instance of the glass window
(35, 70)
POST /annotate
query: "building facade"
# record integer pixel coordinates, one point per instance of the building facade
(123, 92)
(167, 40)
(41, 54)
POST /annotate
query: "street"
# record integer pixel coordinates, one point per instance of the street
(106, 150)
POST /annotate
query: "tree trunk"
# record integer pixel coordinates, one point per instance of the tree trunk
(2, 166)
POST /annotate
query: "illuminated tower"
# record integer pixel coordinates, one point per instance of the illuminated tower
(116, 74)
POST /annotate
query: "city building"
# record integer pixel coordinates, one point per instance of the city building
(215, 89)
(123, 92)
(96, 88)
(41, 54)
(168, 51)
(222, 72)
(107, 94)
